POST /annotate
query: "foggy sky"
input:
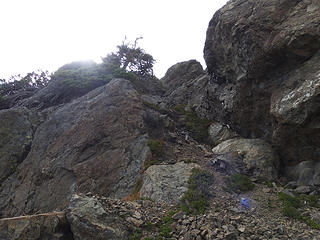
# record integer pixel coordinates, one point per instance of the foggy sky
(46, 34)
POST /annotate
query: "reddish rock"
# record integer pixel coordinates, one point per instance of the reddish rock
(97, 143)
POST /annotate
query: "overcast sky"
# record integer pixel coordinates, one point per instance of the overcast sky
(46, 34)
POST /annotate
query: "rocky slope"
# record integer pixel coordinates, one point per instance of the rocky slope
(117, 159)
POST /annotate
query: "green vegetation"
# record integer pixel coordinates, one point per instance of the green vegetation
(238, 183)
(268, 184)
(136, 192)
(154, 107)
(292, 205)
(165, 225)
(196, 199)
(196, 125)
(189, 160)
(310, 200)
(82, 76)
(137, 234)
(31, 81)
(149, 226)
(131, 58)
(156, 148)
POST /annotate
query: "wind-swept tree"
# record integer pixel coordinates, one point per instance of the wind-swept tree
(131, 58)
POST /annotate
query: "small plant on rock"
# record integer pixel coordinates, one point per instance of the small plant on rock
(165, 226)
(196, 125)
(196, 199)
(136, 192)
(156, 148)
(136, 235)
(238, 183)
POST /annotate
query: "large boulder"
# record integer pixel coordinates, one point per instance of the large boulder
(166, 183)
(16, 133)
(181, 73)
(48, 226)
(305, 173)
(89, 220)
(264, 56)
(258, 156)
(188, 84)
(97, 143)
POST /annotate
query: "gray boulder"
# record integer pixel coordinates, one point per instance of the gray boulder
(88, 220)
(48, 226)
(306, 173)
(166, 183)
(181, 73)
(258, 156)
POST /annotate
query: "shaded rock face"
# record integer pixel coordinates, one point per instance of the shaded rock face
(188, 84)
(50, 226)
(166, 183)
(257, 155)
(305, 173)
(88, 220)
(219, 133)
(181, 73)
(97, 143)
(16, 133)
(13, 99)
(264, 56)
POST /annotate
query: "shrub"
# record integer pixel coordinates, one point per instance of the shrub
(196, 125)
(165, 225)
(156, 148)
(136, 235)
(155, 107)
(238, 183)
(291, 207)
(196, 199)
(289, 200)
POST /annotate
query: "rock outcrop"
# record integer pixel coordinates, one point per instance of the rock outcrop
(16, 133)
(166, 183)
(256, 154)
(265, 55)
(48, 226)
(88, 220)
(219, 133)
(305, 173)
(96, 143)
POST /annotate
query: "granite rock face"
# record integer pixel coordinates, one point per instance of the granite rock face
(264, 55)
(97, 143)
(166, 183)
